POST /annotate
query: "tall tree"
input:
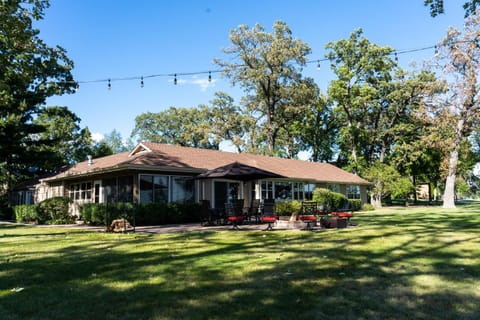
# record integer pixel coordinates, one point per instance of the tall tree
(30, 72)
(459, 59)
(267, 66)
(180, 126)
(319, 130)
(65, 141)
(363, 71)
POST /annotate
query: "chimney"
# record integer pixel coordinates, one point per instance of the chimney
(90, 160)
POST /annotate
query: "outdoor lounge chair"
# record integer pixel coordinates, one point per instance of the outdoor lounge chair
(309, 212)
(345, 212)
(268, 214)
(234, 214)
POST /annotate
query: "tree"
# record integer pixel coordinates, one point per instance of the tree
(30, 72)
(267, 66)
(436, 7)
(363, 71)
(459, 59)
(115, 142)
(64, 139)
(180, 126)
(386, 181)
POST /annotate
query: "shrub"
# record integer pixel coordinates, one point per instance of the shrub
(55, 210)
(143, 214)
(287, 207)
(368, 207)
(355, 204)
(26, 213)
(331, 199)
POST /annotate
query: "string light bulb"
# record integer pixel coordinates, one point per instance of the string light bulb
(109, 85)
(318, 65)
(396, 57)
(142, 84)
(175, 79)
(209, 76)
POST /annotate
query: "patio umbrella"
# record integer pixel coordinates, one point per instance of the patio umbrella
(238, 171)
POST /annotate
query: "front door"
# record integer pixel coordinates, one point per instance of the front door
(225, 192)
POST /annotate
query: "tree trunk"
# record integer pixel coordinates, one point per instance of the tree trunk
(376, 200)
(449, 194)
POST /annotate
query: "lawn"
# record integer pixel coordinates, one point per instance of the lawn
(405, 263)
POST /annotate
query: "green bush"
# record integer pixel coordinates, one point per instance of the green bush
(368, 207)
(143, 214)
(26, 213)
(55, 210)
(355, 204)
(333, 200)
(287, 207)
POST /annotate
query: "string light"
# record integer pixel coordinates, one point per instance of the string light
(209, 73)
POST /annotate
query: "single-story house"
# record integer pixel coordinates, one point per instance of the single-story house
(154, 172)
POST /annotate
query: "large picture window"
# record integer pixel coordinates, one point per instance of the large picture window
(282, 190)
(161, 188)
(182, 189)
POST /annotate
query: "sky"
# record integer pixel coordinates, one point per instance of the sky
(111, 39)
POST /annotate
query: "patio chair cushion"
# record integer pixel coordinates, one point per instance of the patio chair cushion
(308, 218)
(269, 219)
(236, 218)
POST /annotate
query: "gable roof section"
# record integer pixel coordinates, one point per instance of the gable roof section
(163, 157)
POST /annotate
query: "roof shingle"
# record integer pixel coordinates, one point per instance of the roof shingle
(150, 155)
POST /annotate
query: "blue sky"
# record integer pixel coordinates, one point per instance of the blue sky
(121, 39)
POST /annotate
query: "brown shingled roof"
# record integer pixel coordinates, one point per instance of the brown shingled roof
(147, 155)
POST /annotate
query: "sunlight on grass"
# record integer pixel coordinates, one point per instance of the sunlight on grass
(415, 263)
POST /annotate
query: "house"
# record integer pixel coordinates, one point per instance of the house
(154, 172)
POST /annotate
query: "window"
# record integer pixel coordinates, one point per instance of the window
(298, 191)
(333, 187)
(160, 188)
(81, 192)
(353, 192)
(283, 190)
(267, 190)
(308, 190)
(182, 189)
(153, 188)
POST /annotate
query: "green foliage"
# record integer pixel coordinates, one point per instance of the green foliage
(143, 214)
(387, 181)
(30, 72)
(368, 207)
(287, 207)
(355, 204)
(26, 213)
(55, 211)
(268, 67)
(333, 200)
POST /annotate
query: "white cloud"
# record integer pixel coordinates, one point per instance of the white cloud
(97, 137)
(203, 83)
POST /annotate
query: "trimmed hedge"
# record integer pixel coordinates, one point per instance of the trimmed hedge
(143, 214)
(26, 213)
(333, 200)
(55, 211)
(286, 208)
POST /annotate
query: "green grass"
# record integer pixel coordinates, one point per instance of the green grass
(412, 263)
